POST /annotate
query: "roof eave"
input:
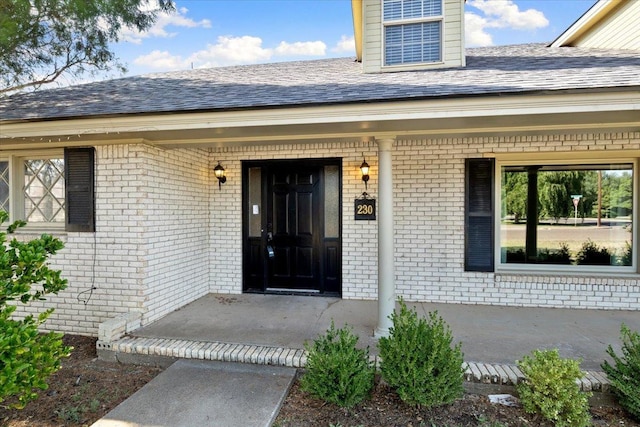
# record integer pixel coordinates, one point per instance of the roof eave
(540, 112)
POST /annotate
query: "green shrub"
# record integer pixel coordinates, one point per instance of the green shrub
(550, 389)
(592, 254)
(419, 361)
(545, 255)
(627, 254)
(515, 255)
(336, 370)
(27, 357)
(555, 256)
(625, 374)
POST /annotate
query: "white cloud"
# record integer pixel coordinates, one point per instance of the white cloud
(164, 21)
(346, 44)
(316, 48)
(231, 51)
(161, 60)
(474, 31)
(507, 14)
(500, 14)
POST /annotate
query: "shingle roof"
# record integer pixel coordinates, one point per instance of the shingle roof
(494, 70)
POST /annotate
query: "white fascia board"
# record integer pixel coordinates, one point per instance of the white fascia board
(360, 116)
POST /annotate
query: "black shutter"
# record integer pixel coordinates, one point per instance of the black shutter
(79, 184)
(479, 219)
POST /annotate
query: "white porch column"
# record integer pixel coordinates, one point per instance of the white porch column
(386, 275)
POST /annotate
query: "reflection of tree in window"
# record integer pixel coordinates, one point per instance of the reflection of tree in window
(602, 217)
(44, 190)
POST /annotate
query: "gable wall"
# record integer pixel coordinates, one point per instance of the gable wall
(453, 38)
(620, 30)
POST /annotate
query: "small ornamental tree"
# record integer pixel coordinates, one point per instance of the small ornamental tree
(27, 357)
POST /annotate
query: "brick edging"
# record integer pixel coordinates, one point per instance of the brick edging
(475, 372)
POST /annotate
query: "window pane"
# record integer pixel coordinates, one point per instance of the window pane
(410, 9)
(44, 190)
(412, 43)
(4, 185)
(255, 202)
(331, 201)
(584, 214)
(392, 10)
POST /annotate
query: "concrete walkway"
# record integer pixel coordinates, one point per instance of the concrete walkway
(272, 329)
(201, 393)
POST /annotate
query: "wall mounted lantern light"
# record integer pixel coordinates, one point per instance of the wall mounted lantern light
(219, 171)
(364, 168)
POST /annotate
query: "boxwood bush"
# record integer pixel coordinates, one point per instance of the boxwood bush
(624, 374)
(419, 361)
(550, 389)
(336, 370)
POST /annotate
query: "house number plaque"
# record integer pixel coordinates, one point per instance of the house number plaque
(365, 209)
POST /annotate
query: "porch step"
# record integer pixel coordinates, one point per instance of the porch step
(124, 348)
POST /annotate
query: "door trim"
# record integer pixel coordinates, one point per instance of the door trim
(255, 274)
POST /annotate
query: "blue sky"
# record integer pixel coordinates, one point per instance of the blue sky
(205, 33)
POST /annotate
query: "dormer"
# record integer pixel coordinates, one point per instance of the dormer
(405, 35)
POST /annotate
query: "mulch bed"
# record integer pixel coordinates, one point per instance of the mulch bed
(85, 389)
(385, 409)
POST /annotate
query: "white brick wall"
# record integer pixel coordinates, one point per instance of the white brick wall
(430, 228)
(150, 252)
(177, 187)
(429, 223)
(166, 234)
(359, 248)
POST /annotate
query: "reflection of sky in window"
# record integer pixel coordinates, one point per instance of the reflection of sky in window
(617, 173)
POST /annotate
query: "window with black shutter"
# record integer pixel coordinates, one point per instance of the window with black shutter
(79, 183)
(479, 215)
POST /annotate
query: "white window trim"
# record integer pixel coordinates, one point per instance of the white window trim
(16, 189)
(412, 65)
(580, 270)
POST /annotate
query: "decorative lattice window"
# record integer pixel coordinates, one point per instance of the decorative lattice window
(44, 192)
(4, 186)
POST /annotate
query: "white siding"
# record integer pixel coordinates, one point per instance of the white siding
(453, 38)
(620, 30)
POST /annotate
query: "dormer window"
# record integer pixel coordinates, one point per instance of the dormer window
(412, 31)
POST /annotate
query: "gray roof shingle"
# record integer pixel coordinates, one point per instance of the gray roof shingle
(494, 70)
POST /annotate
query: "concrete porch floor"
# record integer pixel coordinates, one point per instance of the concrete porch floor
(489, 334)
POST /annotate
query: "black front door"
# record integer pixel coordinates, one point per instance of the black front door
(289, 245)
